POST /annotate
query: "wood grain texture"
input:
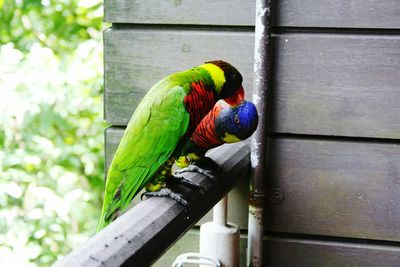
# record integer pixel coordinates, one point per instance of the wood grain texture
(342, 85)
(289, 252)
(287, 13)
(324, 84)
(237, 198)
(335, 188)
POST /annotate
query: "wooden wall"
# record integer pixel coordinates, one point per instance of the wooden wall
(334, 148)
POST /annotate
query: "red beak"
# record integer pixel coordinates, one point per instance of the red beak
(237, 98)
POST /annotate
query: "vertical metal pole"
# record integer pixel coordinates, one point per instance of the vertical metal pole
(262, 76)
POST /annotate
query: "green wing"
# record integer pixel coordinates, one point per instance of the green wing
(151, 136)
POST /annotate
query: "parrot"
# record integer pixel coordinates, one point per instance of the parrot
(223, 124)
(161, 125)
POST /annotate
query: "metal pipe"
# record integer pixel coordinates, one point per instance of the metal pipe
(261, 82)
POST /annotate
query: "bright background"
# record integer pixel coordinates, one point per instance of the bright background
(51, 128)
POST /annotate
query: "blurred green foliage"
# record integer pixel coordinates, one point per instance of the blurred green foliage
(60, 25)
(51, 128)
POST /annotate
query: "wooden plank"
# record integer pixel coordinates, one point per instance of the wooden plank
(327, 85)
(324, 84)
(203, 12)
(335, 188)
(289, 252)
(237, 197)
(287, 13)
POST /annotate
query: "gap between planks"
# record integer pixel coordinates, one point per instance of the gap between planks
(239, 28)
(350, 241)
(354, 139)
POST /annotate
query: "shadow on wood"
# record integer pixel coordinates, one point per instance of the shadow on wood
(141, 235)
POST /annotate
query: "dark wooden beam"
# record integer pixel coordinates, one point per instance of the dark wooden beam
(142, 234)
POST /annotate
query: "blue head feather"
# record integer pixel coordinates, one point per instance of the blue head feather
(240, 121)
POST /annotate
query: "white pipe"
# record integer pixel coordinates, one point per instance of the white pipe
(262, 79)
(219, 238)
(220, 211)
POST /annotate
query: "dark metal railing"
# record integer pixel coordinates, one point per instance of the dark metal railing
(141, 235)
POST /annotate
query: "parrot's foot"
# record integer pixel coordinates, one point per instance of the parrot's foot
(177, 178)
(195, 168)
(166, 192)
(205, 166)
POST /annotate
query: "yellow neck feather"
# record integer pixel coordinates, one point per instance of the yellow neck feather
(217, 75)
(230, 138)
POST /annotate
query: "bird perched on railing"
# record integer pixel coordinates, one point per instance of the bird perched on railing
(160, 127)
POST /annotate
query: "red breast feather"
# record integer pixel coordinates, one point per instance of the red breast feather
(204, 136)
(198, 103)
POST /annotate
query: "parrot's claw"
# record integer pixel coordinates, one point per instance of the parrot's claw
(195, 168)
(177, 178)
(166, 192)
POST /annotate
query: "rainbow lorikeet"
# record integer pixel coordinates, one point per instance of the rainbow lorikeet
(160, 127)
(223, 124)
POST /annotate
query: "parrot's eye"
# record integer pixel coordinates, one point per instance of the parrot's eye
(237, 121)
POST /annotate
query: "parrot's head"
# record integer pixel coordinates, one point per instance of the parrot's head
(227, 80)
(236, 123)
